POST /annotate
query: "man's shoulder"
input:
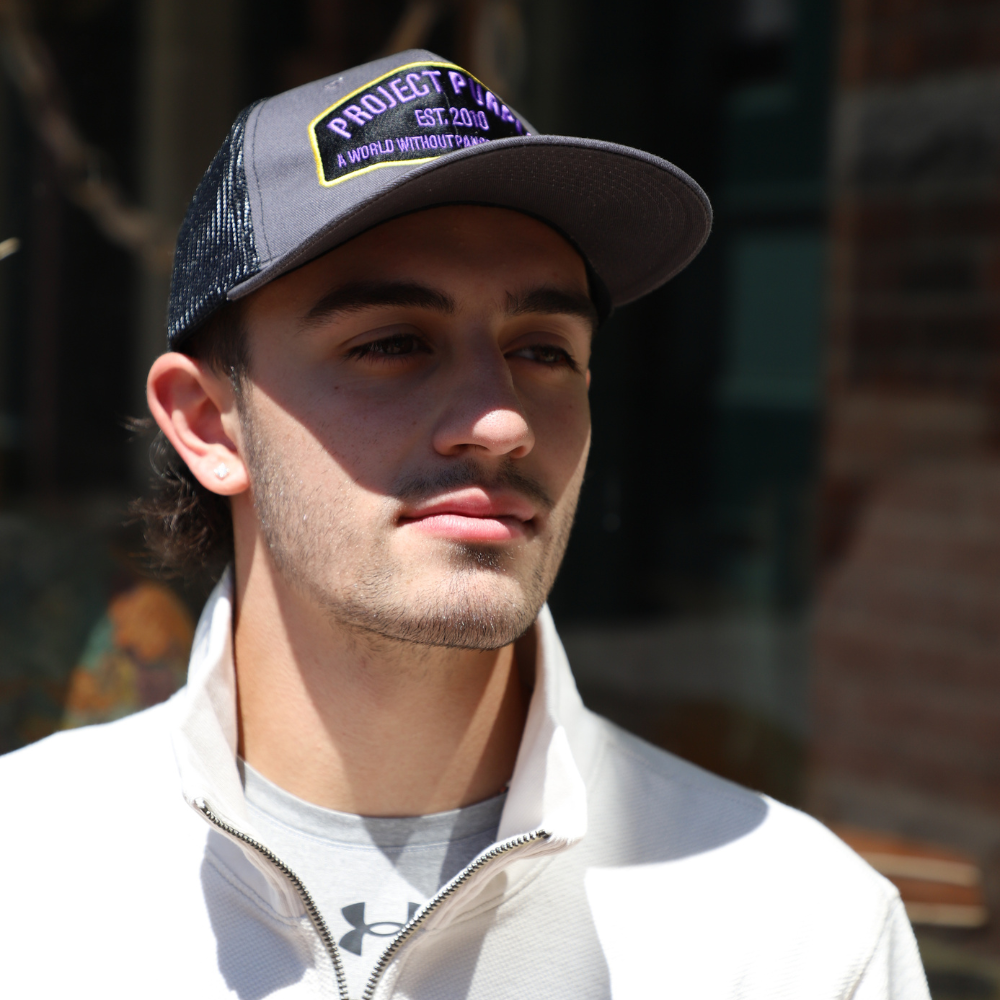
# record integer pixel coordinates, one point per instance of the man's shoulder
(677, 810)
(100, 763)
(743, 888)
(89, 801)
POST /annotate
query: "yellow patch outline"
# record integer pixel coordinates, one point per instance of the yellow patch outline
(371, 83)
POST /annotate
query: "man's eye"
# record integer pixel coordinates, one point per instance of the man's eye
(546, 354)
(399, 345)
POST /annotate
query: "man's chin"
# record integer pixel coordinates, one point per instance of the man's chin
(481, 631)
(464, 614)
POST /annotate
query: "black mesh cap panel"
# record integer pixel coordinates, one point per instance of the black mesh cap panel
(215, 246)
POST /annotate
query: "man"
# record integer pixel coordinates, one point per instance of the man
(379, 780)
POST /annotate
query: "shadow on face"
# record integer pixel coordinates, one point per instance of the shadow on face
(456, 335)
(441, 355)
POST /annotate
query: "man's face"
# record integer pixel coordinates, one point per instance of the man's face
(417, 425)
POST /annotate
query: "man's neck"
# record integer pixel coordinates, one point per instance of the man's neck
(363, 724)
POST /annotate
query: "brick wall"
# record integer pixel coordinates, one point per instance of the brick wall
(909, 638)
(907, 682)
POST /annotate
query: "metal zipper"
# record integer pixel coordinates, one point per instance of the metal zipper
(435, 901)
(314, 915)
(406, 932)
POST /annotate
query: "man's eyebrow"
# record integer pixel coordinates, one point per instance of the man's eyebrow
(371, 294)
(549, 299)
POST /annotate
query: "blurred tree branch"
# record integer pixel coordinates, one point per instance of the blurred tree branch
(29, 65)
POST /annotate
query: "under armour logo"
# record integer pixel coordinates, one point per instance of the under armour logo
(355, 916)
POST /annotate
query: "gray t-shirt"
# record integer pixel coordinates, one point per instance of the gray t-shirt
(367, 874)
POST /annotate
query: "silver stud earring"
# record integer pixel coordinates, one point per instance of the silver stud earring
(221, 470)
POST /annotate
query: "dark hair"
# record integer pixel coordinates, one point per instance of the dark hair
(189, 529)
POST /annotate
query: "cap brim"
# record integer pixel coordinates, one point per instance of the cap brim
(636, 218)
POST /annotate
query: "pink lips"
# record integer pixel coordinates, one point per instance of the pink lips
(472, 515)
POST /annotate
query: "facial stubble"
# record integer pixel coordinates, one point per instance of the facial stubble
(490, 597)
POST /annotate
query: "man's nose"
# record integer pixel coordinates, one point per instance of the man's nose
(482, 413)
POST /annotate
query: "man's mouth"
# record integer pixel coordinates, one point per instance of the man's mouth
(472, 514)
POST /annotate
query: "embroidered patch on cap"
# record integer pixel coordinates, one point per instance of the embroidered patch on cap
(413, 114)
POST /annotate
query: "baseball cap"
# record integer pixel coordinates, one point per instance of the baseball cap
(309, 169)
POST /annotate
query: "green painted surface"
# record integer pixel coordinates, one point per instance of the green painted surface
(775, 323)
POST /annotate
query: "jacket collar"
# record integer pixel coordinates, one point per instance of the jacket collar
(546, 792)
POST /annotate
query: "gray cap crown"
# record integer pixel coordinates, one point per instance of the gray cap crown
(307, 170)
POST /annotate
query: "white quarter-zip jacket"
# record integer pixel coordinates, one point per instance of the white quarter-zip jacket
(131, 869)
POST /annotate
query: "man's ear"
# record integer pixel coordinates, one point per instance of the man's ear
(196, 410)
